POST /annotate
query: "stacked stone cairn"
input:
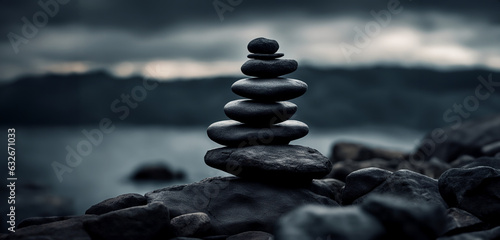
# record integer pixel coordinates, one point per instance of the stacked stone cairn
(258, 135)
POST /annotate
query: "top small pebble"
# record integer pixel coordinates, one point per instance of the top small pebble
(263, 45)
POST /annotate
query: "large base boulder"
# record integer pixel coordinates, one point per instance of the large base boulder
(236, 205)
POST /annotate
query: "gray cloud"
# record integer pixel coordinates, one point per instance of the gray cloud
(148, 16)
(88, 34)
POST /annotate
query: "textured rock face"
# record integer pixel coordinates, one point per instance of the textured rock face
(361, 182)
(236, 205)
(58, 230)
(143, 222)
(459, 221)
(274, 163)
(408, 185)
(117, 203)
(475, 190)
(191, 224)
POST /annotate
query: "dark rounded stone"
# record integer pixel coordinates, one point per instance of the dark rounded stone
(269, 68)
(191, 224)
(493, 162)
(236, 134)
(263, 45)
(475, 190)
(459, 221)
(265, 56)
(318, 222)
(117, 203)
(269, 89)
(276, 163)
(157, 172)
(259, 113)
(411, 186)
(143, 222)
(405, 218)
(361, 182)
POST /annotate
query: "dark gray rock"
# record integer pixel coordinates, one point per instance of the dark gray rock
(431, 168)
(265, 56)
(484, 161)
(251, 235)
(42, 220)
(269, 68)
(492, 234)
(462, 161)
(333, 187)
(273, 163)
(475, 138)
(217, 237)
(191, 224)
(361, 182)
(405, 218)
(235, 134)
(59, 230)
(259, 113)
(142, 222)
(475, 190)
(411, 186)
(460, 221)
(185, 238)
(237, 205)
(348, 157)
(116, 203)
(318, 222)
(263, 45)
(157, 172)
(269, 89)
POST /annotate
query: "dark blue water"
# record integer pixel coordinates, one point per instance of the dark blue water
(104, 172)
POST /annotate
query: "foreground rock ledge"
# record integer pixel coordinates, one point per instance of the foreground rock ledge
(236, 205)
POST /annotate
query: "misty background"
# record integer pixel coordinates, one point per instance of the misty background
(375, 76)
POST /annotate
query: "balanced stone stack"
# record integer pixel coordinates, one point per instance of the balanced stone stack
(258, 135)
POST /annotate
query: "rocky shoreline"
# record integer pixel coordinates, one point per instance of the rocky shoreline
(371, 203)
(448, 189)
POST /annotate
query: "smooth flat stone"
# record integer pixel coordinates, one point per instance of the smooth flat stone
(269, 89)
(278, 162)
(236, 134)
(263, 45)
(259, 113)
(265, 56)
(269, 68)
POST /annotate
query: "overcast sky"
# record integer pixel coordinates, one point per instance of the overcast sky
(193, 38)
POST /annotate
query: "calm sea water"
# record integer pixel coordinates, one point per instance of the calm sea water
(105, 171)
